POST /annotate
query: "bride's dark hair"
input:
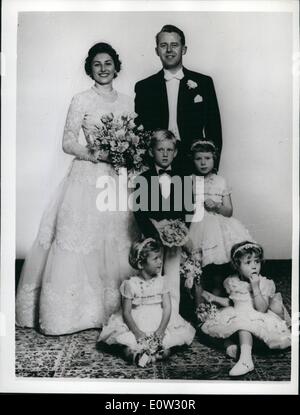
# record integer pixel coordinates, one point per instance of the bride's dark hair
(101, 48)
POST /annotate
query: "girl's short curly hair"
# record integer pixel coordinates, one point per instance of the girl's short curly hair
(101, 48)
(141, 249)
(204, 146)
(245, 248)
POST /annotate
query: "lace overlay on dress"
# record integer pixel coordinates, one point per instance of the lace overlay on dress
(80, 257)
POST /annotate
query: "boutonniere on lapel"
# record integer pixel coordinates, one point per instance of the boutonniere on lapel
(192, 85)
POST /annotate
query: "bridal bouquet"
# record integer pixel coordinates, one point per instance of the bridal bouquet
(191, 267)
(172, 232)
(149, 348)
(206, 311)
(127, 144)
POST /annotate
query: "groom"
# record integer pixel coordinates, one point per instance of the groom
(178, 99)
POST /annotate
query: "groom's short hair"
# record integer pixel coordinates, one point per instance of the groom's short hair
(168, 28)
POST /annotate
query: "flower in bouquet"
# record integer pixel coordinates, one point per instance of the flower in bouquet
(206, 311)
(191, 268)
(172, 232)
(127, 144)
(186, 270)
(148, 348)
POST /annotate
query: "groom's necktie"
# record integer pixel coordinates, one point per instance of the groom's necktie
(172, 85)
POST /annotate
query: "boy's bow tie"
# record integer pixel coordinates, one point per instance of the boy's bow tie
(164, 171)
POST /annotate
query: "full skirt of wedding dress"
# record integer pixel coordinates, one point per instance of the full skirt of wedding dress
(71, 277)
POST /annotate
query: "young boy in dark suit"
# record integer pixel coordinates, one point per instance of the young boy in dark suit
(164, 194)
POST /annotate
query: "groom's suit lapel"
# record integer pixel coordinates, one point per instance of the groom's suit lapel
(183, 98)
(162, 103)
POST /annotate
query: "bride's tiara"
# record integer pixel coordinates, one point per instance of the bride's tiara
(206, 142)
(246, 246)
(143, 244)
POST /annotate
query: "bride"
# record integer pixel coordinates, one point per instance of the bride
(71, 277)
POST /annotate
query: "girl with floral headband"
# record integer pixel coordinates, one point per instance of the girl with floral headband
(217, 231)
(146, 327)
(257, 309)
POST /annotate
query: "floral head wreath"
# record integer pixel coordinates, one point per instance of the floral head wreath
(246, 246)
(210, 143)
(142, 245)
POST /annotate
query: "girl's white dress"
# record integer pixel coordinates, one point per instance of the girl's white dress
(147, 311)
(71, 277)
(268, 327)
(215, 234)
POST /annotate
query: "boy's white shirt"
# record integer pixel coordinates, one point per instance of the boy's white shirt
(164, 181)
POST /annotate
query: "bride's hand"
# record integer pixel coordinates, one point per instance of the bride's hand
(102, 155)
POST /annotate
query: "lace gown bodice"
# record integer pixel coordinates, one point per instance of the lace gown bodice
(86, 110)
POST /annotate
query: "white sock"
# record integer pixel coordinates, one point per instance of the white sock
(246, 353)
(245, 363)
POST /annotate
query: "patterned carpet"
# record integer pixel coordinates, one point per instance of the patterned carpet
(77, 356)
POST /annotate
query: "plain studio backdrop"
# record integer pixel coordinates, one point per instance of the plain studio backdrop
(249, 56)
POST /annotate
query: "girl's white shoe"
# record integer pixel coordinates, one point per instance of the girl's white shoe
(241, 368)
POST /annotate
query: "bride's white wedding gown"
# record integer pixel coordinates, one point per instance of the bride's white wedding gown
(71, 277)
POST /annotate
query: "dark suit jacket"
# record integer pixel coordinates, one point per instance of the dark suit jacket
(157, 207)
(195, 120)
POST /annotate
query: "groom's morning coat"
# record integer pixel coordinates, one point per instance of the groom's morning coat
(198, 113)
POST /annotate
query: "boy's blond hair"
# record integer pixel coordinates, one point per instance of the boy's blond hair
(161, 134)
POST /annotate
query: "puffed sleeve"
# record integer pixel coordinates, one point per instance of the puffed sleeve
(226, 190)
(228, 284)
(267, 287)
(126, 289)
(72, 128)
(164, 288)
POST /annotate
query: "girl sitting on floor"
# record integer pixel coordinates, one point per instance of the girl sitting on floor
(257, 309)
(146, 327)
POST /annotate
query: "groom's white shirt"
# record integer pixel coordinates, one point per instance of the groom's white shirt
(172, 85)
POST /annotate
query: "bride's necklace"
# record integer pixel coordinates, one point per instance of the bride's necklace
(108, 96)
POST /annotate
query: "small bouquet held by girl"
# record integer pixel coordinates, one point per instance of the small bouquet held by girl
(191, 267)
(125, 142)
(150, 349)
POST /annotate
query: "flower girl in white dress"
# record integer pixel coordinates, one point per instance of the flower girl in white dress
(218, 231)
(257, 309)
(71, 277)
(146, 310)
